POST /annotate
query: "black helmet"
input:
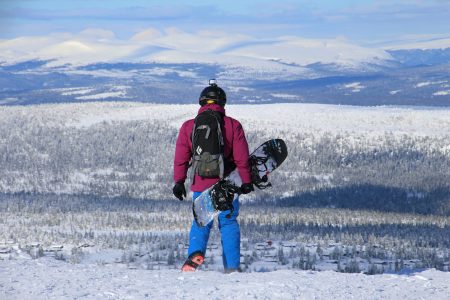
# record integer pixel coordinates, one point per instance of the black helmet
(213, 94)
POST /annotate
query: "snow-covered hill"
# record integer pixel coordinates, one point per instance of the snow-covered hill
(126, 149)
(51, 279)
(173, 45)
(177, 46)
(172, 65)
(305, 118)
(420, 43)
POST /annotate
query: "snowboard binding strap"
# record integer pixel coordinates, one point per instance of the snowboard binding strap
(224, 193)
(260, 182)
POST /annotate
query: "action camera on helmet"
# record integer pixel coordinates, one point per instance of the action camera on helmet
(213, 94)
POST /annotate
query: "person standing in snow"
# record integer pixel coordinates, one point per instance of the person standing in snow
(208, 167)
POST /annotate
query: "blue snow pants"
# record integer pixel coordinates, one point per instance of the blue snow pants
(230, 236)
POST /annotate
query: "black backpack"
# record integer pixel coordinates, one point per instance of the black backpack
(207, 145)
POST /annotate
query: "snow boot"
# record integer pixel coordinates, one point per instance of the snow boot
(193, 262)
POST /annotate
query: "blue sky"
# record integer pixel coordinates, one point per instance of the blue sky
(363, 21)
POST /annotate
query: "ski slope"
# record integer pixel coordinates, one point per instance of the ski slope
(47, 278)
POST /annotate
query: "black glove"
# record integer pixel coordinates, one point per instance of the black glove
(247, 188)
(179, 191)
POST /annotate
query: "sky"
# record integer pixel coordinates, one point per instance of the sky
(364, 22)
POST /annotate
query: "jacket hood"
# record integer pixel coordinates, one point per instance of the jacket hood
(214, 107)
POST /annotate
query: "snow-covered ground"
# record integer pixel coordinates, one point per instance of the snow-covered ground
(47, 278)
(300, 117)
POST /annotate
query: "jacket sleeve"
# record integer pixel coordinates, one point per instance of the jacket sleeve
(183, 155)
(241, 154)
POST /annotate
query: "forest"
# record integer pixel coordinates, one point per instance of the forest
(41, 154)
(154, 233)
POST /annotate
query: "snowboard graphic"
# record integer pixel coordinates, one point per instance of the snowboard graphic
(265, 159)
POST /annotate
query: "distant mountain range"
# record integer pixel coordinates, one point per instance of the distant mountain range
(288, 69)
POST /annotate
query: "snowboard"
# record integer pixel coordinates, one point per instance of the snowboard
(263, 161)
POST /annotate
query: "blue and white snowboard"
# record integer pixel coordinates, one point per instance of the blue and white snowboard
(265, 159)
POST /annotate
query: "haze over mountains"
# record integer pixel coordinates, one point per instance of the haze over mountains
(171, 66)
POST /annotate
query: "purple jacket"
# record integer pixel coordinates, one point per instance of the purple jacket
(235, 150)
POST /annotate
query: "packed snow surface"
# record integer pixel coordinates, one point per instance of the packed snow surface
(47, 278)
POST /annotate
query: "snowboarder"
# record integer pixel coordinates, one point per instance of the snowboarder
(212, 144)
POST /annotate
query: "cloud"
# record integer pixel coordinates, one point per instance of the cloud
(362, 20)
(131, 13)
(388, 9)
(97, 33)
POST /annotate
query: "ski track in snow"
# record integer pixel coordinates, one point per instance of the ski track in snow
(47, 278)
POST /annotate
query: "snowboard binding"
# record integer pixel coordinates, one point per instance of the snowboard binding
(266, 159)
(224, 192)
(261, 182)
(193, 262)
